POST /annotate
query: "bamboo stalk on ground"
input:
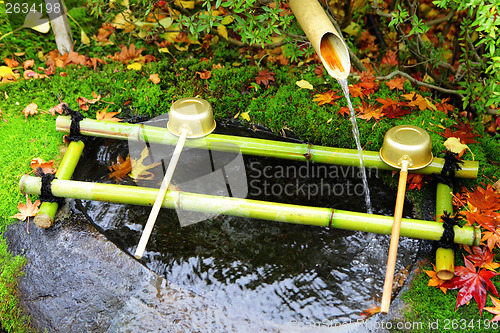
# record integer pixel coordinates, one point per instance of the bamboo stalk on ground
(252, 146)
(445, 258)
(45, 216)
(315, 216)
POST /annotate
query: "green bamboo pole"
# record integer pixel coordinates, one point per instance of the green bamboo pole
(316, 216)
(445, 258)
(45, 216)
(251, 146)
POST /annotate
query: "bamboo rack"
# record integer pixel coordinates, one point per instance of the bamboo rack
(315, 216)
(45, 216)
(252, 146)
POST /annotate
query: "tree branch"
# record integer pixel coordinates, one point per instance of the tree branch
(420, 83)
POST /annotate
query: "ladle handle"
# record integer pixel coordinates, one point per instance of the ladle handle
(393, 247)
(161, 195)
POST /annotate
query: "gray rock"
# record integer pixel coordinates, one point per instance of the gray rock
(78, 281)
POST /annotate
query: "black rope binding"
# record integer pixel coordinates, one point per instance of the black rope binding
(447, 240)
(74, 130)
(450, 166)
(46, 189)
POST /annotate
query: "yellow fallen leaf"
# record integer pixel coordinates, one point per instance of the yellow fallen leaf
(245, 115)
(304, 84)
(455, 146)
(85, 39)
(135, 66)
(4, 70)
(155, 78)
(164, 50)
(166, 22)
(221, 29)
(185, 4)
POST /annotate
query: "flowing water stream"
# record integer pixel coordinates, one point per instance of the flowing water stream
(355, 132)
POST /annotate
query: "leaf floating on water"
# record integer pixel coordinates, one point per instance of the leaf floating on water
(120, 169)
(139, 170)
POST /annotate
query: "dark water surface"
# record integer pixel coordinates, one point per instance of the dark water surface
(278, 271)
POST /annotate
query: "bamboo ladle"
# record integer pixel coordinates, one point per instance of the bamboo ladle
(407, 147)
(188, 118)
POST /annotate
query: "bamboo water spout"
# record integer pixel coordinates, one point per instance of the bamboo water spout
(325, 39)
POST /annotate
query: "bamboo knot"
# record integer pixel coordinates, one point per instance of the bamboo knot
(309, 155)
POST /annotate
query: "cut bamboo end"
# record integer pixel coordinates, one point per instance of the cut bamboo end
(445, 264)
(43, 221)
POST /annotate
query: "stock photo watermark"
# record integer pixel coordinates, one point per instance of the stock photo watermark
(262, 180)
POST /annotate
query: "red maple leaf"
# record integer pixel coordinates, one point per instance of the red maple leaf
(464, 132)
(264, 77)
(389, 59)
(444, 107)
(471, 283)
(414, 180)
(344, 111)
(483, 258)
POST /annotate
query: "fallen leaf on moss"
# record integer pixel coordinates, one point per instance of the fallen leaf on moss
(11, 62)
(245, 115)
(264, 77)
(492, 239)
(494, 309)
(455, 146)
(155, 78)
(326, 98)
(47, 167)
(304, 84)
(483, 258)
(57, 109)
(435, 281)
(205, 75)
(30, 110)
(4, 70)
(27, 210)
(396, 83)
(135, 66)
(28, 64)
(83, 102)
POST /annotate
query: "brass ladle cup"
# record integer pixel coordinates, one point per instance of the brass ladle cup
(188, 118)
(407, 147)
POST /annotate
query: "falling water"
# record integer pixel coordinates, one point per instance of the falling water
(355, 132)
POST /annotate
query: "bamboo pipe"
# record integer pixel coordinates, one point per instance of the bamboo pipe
(316, 216)
(393, 247)
(445, 258)
(161, 194)
(325, 39)
(250, 146)
(45, 216)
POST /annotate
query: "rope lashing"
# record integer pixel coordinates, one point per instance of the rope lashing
(448, 238)
(74, 131)
(46, 188)
(450, 166)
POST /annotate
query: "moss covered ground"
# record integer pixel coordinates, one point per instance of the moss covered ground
(282, 107)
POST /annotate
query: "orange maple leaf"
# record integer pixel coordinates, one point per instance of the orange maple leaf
(83, 102)
(369, 111)
(127, 54)
(482, 204)
(58, 108)
(344, 111)
(120, 169)
(444, 107)
(11, 62)
(435, 281)
(414, 180)
(374, 309)
(389, 59)
(417, 100)
(326, 98)
(495, 310)
(27, 210)
(108, 116)
(492, 239)
(205, 75)
(47, 167)
(396, 83)
(76, 59)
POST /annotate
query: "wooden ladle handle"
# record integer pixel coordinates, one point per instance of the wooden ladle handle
(393, 248)
(161, 195)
